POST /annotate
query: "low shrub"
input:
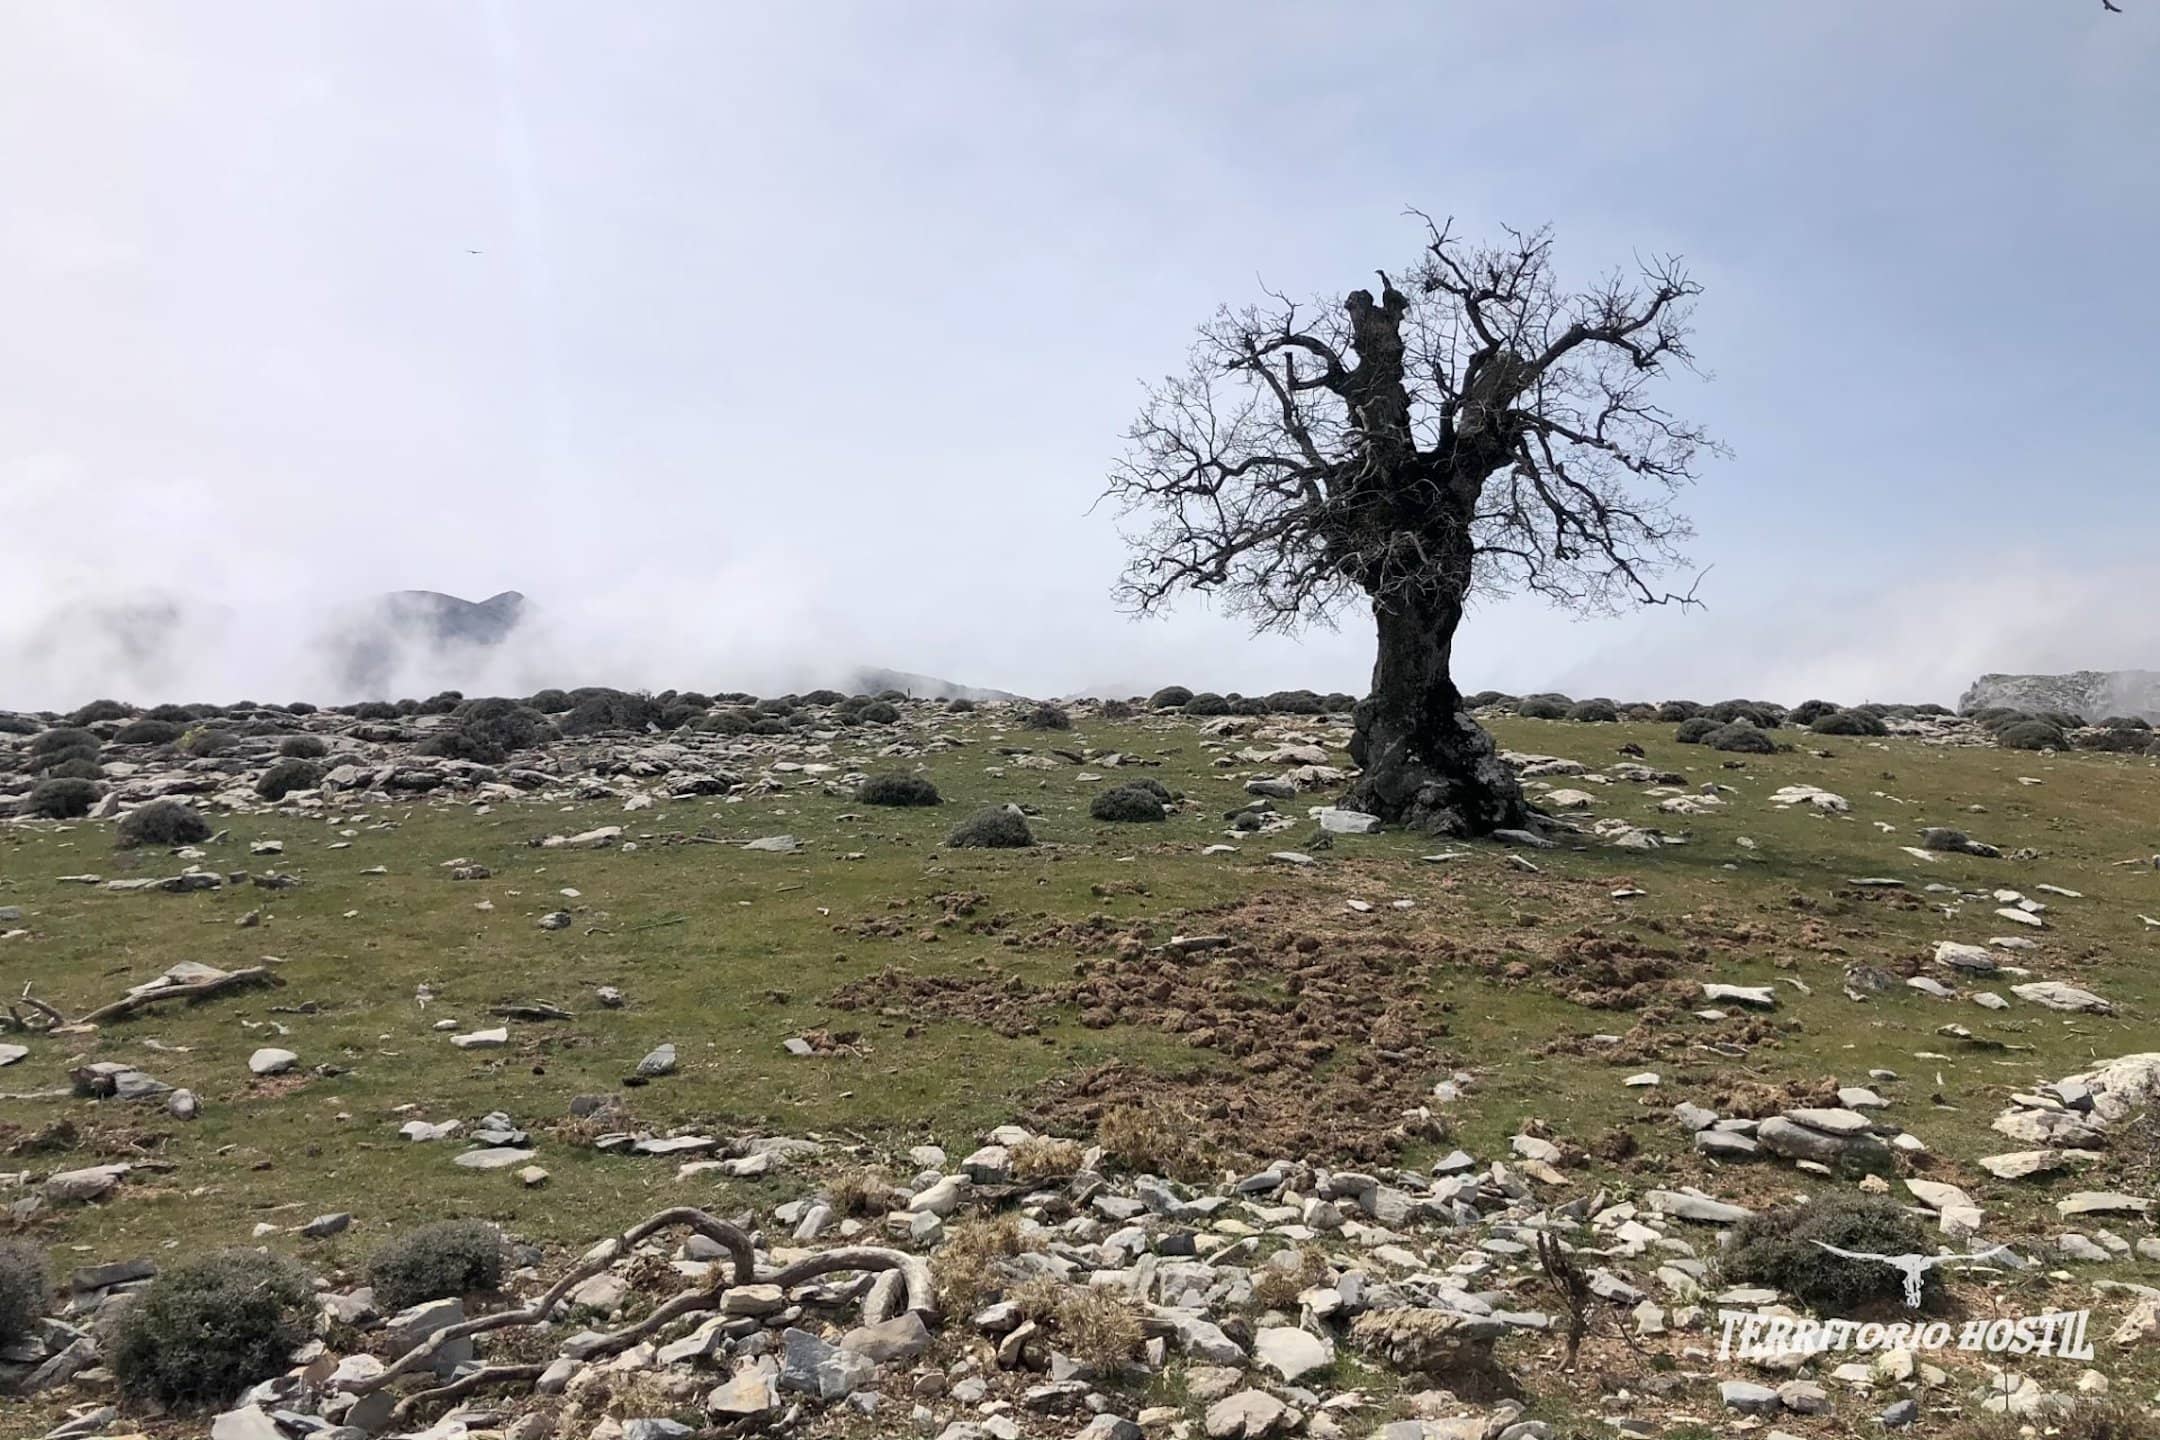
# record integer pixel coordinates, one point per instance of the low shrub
(1846, 722)
(1807, 712)
(1127, 804)
(76, 767)
(549, 701)
(22, 1288)
(2116, 742)
(161, 822)
(1741, 738)
(1540, 707)
(287, 776)
(969, 1267)
(1695, 730)
(1207, 702)
(375, 710)
(1000, 827)
(898, 790)
(1779, 1247)
(961, 706)
(436, 1261)
(1673, 712)
(66, 798)
(1118, 710)
(1047, 717)
(1295, 702)
(205, 1330)
(2126, 722)
(1596, 712)
(204, 741)
(1756, 713)
(63, 739)
(98, 710)
(822, 697)
(147, 732)
(880, 712)
(1170, 697)
(598, 710)
(1145, 1139)
(2032, 735)
(303, 747)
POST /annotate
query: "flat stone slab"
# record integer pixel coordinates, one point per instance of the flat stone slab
(495, 1157)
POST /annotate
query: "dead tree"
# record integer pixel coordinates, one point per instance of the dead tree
(1474, 429)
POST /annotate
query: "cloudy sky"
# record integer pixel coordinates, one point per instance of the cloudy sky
(800, 335)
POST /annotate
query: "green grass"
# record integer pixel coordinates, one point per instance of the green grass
(726, 953)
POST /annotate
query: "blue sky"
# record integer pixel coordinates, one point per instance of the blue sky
(802, 335)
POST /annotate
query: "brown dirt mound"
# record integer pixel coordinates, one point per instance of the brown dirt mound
(1335, 1117)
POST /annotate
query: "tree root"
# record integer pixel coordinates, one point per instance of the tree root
(914, 1273)
(465, 1385)
(193, 991)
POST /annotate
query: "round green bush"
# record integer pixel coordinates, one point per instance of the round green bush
(1117, 710)
(1695, 729)
(161, 822)
(1807, 712)
(64, 738)
(1170, 697)
(441, 703)
(724, 722)
(207, 1329)
(204, 741)
(98, 710)
(550, 701)
(1046, 717)
(76, 767)
(961, 706)
(1207, 702)
(17, 725)
(1596, 712)
(2126, 722)
(1127, 804)
(2116, 742)
(1674, 712)
(880, 712)
(2032, 735)
(22, 1289)
(147, 732)
(898, 790)
(63, 799)
(1294, 702)
(1540, 707)
(303, 747)
(1741, 738)
(999, 827)
(1780, 1247)
(601, 709)
(1846, 722)
(1761, 716)
(375, 710)
(437, 1261)
(287, 776)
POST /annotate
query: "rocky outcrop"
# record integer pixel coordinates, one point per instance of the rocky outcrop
(405, 621)
(2093, 694)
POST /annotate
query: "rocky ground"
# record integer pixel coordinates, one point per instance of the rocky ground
(1250, 1120)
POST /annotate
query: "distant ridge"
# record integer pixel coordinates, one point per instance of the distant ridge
(869, 680)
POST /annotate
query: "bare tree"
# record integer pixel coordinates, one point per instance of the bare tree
(1474, 429)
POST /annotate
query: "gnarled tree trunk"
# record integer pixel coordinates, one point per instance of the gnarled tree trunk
(1427, 764)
